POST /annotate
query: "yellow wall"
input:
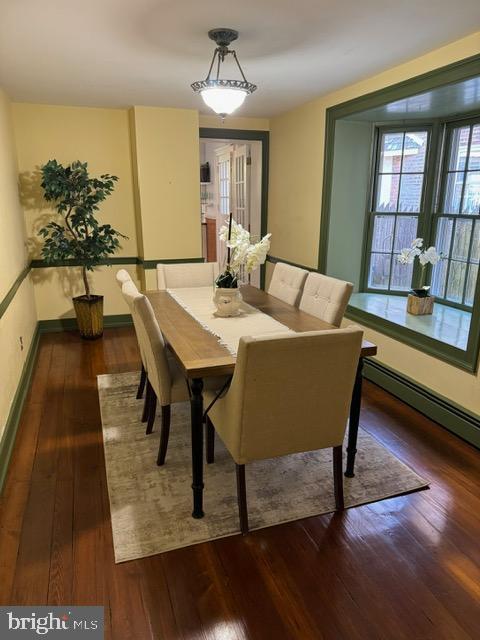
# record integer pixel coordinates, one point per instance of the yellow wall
(100, 137)
(296, 154)
(167, 171)
(296, 173)
(20, 318)
(156, 201)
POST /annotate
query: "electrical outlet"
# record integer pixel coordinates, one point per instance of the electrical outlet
(21, 343)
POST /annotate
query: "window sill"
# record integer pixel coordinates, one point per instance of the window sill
(445, 334)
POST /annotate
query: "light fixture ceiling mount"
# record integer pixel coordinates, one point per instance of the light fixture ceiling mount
(221, 94)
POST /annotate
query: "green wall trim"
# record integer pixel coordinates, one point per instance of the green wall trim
(8, 438)
(152, 264)
(4, 304)
(43, 264)
(70, 324)
(146, 264)
(447, 413)
(274, 260)
(466, 360)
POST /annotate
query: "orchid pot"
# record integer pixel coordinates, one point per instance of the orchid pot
(419, 301)
(423, 292)
(227, 301)
(243, 257)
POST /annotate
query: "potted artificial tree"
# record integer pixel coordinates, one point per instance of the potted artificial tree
(79, 237)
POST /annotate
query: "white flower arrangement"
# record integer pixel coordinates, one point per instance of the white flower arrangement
(425, 256)
(241, 252)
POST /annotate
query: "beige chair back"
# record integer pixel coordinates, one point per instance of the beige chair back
(154, 349)
(325, 297)
(122, 277)
(130, 293)
(287, 283)
(194, 274)
(288, 394)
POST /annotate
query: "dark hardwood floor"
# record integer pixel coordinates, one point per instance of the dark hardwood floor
(404, 568)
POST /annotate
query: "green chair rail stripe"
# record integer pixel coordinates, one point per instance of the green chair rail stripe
(152, 264)
(146, 264)
(274, 260)
(445, 412)
(43, 264)
(4, 304)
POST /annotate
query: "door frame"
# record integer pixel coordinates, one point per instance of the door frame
(249, 135)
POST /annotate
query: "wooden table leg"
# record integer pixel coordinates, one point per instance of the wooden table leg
(196, 405)
(354, 421)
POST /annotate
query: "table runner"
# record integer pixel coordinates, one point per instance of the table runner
(198, 302)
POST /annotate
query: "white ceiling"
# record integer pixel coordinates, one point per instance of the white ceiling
(147, 52)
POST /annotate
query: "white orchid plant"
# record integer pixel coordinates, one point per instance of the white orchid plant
(425, 256)
(240, 252)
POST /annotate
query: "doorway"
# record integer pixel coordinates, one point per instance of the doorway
(233, 179)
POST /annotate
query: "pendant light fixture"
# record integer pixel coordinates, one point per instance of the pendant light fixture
(220, 94)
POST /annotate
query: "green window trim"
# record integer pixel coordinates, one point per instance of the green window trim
(458, 71)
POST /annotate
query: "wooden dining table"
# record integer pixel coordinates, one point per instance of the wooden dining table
(200, 355)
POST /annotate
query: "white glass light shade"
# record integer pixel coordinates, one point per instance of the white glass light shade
(222, 99)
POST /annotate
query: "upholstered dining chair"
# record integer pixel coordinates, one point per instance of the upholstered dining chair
(287, 282)
(186, 274)
(129, 292)
(325, 297)
(122, 276)
(165, 381)
(289, 394)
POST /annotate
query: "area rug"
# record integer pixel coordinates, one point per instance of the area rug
(151, 506)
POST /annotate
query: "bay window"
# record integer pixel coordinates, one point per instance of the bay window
(404, 170)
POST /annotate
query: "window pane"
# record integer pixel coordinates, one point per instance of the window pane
(456, 279)
(459, 148)
(471, 197)
(444, 235)
(453, 193)
(387, 193)
(379, 271)
(439, 272)
(475, 256)
(410, 193)
(414, 151)
(461, 240)
(442, 243)
(401, 276)
(383, 233)
(405, 232)
(471, 284)
(474, 159)
(391, 153)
